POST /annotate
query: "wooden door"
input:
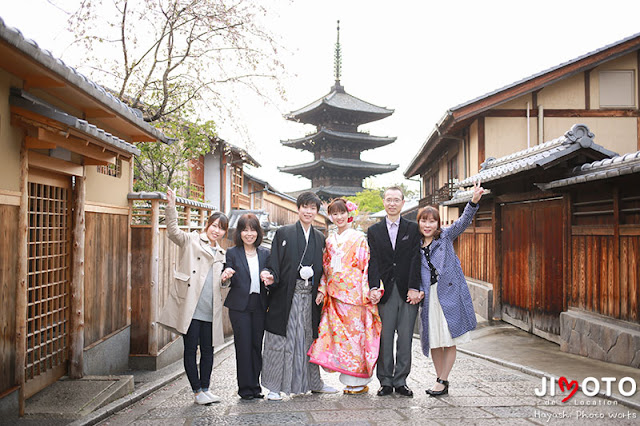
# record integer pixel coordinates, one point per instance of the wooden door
(48, 280)
(532, 262)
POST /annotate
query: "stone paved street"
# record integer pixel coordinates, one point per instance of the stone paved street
(481, 393)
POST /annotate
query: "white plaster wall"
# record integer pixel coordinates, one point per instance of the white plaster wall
(212, 179)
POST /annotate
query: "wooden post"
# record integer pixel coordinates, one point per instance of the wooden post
(129, 232)
(23, 270)
(187, 215)
(496, 225)
(203, 218)
(153, 290)
(76, 336)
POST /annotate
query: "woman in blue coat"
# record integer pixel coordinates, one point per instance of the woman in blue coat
(247, 303)
(447, 313)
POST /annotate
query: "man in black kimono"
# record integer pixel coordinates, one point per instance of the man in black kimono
(292, 318)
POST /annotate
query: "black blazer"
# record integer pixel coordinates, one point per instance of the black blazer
(285, 259)
(238, 296)
(392, 266)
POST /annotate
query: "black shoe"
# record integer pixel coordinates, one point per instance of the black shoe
(444, 391)
(385, 390)
(258, 395)
(404, 391)
(246, 397)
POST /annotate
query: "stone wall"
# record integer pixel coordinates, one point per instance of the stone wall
(599, 337)
(482, 297)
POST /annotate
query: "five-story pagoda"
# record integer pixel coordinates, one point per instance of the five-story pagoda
(336, 169)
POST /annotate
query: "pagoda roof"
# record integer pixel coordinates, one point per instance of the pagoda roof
(339, 101)
(334, 191)
(360, 167)
(363, 139)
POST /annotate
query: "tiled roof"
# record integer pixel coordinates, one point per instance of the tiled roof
(463, 196)
(355, 137)
(337, 191)
(578, 137)
(341, 100)
(602, 169)
(162, 196)
(14, 37)
(29, 102)
(340, 163)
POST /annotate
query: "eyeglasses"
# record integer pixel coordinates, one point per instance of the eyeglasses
(393, 200)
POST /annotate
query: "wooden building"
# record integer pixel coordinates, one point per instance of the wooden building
(599, 89)
(217, 178)
(518, 224)
(66, 169)
(558, 239)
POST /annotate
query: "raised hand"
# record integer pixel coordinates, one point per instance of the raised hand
(171, 197)
(477, 192)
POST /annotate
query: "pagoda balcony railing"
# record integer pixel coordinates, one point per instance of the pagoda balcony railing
(442, 194)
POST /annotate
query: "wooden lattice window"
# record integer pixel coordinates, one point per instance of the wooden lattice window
(114, 170)
(48, 282)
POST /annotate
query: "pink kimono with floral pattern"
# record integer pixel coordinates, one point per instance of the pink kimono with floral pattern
(349, 332)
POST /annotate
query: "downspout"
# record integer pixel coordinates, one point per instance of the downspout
(540, 124)
(528, 128)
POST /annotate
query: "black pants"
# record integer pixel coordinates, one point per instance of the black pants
(198, 334)
(248, 330)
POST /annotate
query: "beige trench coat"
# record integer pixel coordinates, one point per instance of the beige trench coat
(192, 267)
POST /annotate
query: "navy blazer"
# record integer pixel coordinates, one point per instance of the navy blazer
(238, 296)
(388, 265)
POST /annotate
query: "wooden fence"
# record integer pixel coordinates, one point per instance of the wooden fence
(153, 258)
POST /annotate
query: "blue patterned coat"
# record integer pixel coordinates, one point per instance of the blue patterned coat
(453, 292)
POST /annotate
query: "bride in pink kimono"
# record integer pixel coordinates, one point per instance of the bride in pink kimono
(349, 332)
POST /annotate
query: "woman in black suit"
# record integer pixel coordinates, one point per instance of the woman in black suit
(247, 302)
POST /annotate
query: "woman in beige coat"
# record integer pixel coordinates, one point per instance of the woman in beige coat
(194, 305)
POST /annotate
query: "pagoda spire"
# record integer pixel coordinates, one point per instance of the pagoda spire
(337, 63)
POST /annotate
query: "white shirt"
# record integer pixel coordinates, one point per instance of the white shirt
(254, 267)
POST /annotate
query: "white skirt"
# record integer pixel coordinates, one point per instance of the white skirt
(439, 334)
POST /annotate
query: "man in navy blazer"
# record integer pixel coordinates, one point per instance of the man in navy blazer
(393, 243)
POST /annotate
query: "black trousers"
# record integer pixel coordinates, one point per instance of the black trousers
(198, 334)
(248, 331)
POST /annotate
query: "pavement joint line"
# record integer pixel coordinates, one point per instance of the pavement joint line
(135, 396)
(540, 373)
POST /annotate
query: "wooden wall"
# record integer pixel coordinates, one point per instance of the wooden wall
(476, 247)
(8, 279)
(605, 248)
(140, 279)
(105, 281)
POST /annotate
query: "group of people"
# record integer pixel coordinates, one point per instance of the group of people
(347, 304)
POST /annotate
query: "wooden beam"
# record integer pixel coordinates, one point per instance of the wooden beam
(77, 145)
(142, 138)
(563, 113)
(38, 81)
(93, 162)
(76, 335)
(35, 143)
(97, 113)
(23, 270)
(55, 164)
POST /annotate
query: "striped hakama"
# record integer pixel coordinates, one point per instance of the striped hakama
(286, 367)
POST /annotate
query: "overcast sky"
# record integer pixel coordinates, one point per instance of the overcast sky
(416, 57)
